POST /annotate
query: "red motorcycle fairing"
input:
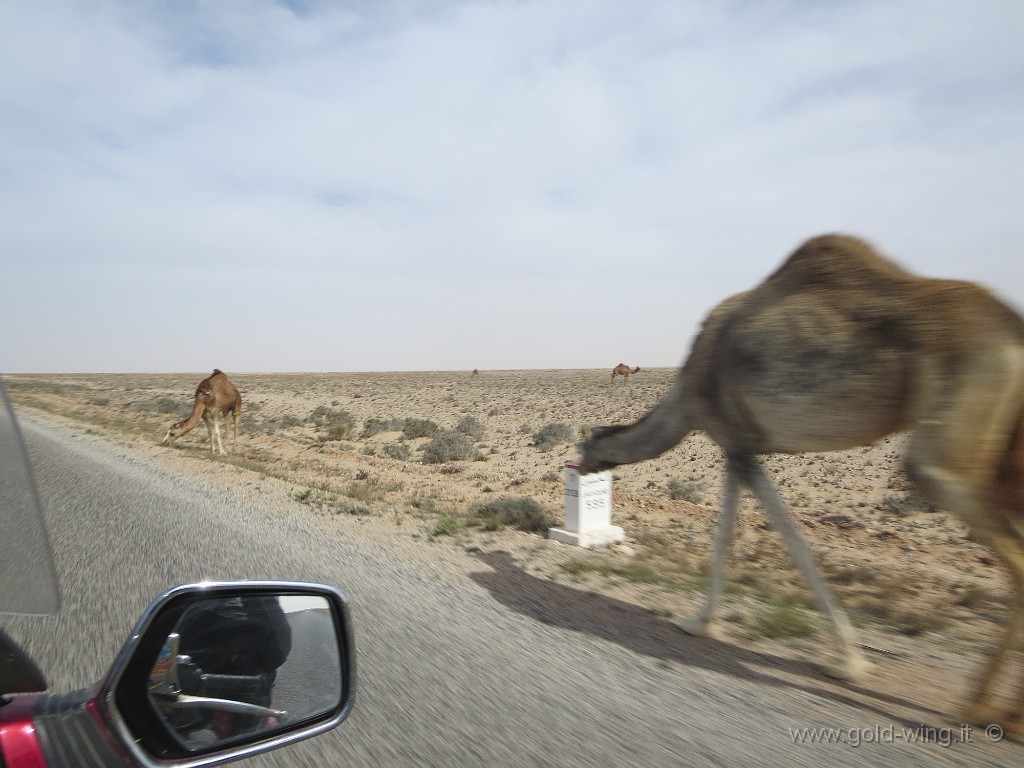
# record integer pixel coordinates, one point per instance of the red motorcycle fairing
(54, 730)
(71, 732)
(19, 744)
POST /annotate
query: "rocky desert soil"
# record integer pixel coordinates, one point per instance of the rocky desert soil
(927, 600)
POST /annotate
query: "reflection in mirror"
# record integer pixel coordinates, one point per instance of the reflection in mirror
(247, 663)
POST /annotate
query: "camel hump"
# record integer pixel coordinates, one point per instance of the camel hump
(216, 371)
(839, 261)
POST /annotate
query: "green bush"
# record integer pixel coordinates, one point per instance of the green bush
(686, 491)
(779, 620)
(338, 424)
(413, 428)
(550, 435)
(471, 427)
(523, 513)
(447, 525)
(449, 445)
(271, 425)
(353, 508)
(341, 427)
(398, 451)
(374, 426)
(320, 415)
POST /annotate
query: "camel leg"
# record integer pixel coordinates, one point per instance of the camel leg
(852, 663)
(209, 429)
(953, 459)
(1014, 634)
(216, 434)
(700, 625)
(213, 431)
(980, 709)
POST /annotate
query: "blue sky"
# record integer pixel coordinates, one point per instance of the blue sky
(351, 186)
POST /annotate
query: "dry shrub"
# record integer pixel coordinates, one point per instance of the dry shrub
(471, 427)
(448, 445)
(550, 435)
(413, 428)
(522, 512)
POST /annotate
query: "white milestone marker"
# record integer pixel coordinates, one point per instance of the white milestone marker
(588, 510)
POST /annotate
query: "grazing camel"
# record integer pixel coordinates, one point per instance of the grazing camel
(215, 396)
(623, 370)
(836, 349)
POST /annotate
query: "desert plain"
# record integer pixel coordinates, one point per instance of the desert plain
(362, 448)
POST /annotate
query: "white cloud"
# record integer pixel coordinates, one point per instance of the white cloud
(306, 174)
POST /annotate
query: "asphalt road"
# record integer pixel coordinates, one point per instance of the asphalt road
(494, 669)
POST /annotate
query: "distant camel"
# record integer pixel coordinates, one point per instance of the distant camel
(215, 396)
(623, 370)
(836, 349)
(476, 372)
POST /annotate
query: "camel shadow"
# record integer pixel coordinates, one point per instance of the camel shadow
(644, 633)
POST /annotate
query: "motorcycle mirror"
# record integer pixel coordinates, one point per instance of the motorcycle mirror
(217, 672)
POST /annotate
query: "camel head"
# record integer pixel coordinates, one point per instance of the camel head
(592, 458)
(175, 431)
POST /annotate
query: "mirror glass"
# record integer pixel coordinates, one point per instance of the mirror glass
(238, 665)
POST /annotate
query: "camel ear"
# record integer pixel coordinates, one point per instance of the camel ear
(591, 432)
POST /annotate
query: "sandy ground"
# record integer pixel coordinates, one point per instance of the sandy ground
(927, 600)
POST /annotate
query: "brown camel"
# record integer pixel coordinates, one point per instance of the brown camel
(623, 370)
(215, 396)
(836, 349)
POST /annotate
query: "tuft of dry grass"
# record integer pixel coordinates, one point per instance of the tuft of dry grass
(782, 620)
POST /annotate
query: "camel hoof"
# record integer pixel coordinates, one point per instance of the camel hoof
(850, 669)
(984, 714)
(1006, 731)
(696, 627)
(1014, 731)
(997, 724)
